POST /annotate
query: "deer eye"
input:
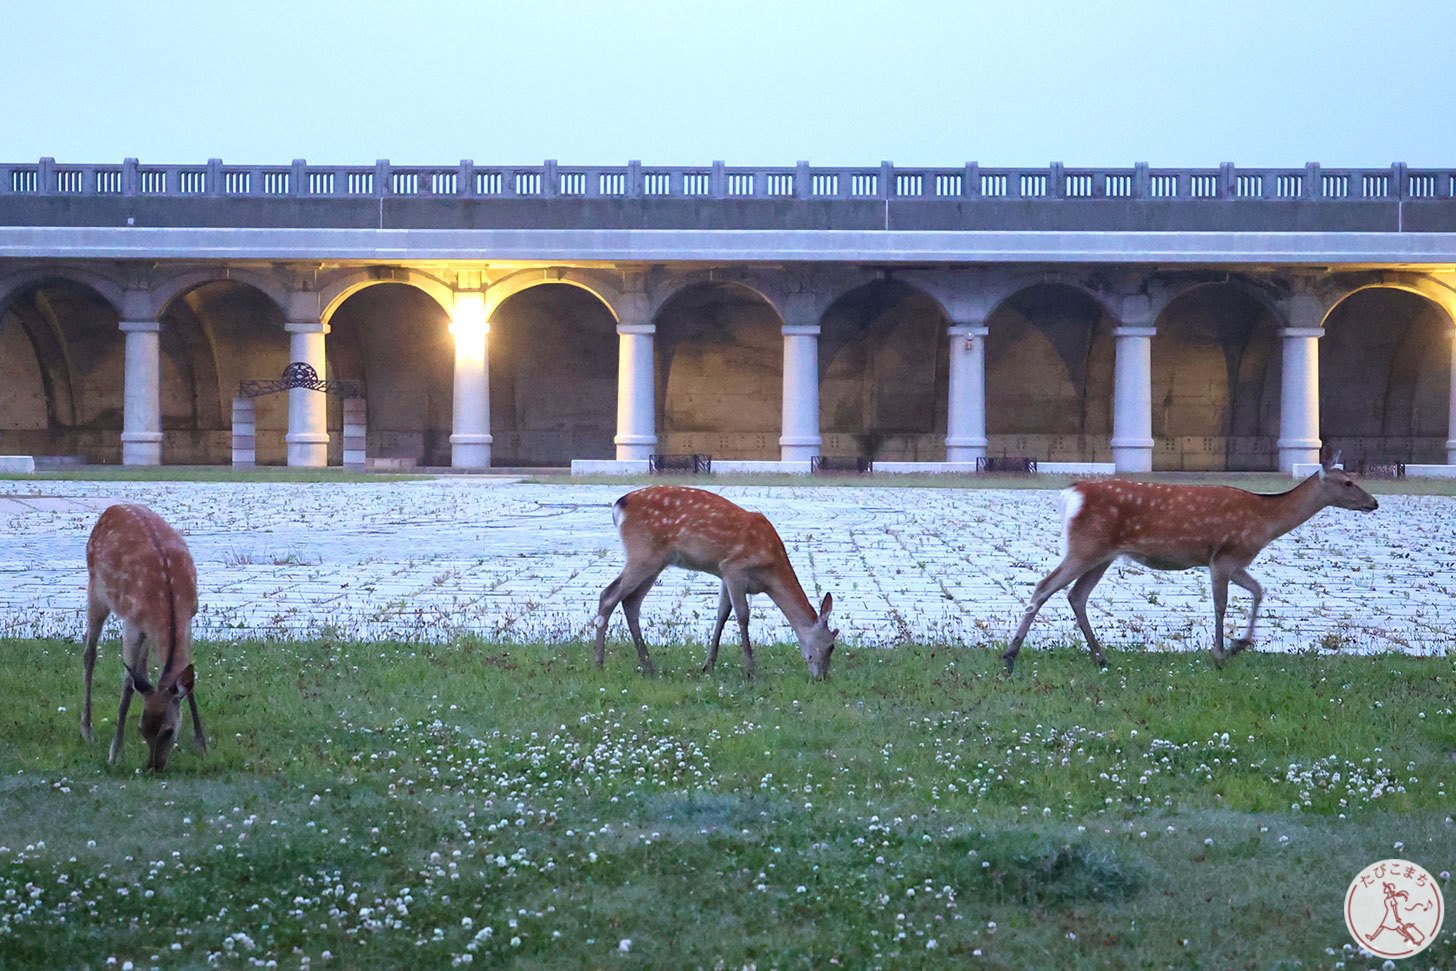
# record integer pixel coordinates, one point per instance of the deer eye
(1349, 484)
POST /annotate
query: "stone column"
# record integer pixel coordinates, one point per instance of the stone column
(965, 423)
(308, 413)
(800, 440)
(356, 434)
(1299, 438)
(1451, 420)
(636, 437)
(1132, 412)
(141, 416)
(470, 439)
(245, 433)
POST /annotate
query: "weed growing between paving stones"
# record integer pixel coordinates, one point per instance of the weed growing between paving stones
(373, 804)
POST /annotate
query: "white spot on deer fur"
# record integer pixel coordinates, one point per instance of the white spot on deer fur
(599, 621)
(1071, 505)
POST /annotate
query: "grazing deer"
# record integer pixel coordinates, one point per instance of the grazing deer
(664, 526)
(1178, 527)
(139, 568)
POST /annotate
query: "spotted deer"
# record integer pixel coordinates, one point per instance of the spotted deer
(139, 568)
(664, 526)
(1179, 527)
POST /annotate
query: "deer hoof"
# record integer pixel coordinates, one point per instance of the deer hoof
(200, 744)
(1010, 660)
(86, 733)
(1101, 663)
(1219, 658)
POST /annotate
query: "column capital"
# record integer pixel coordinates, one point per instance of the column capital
(1287, 332)
(801, 330)
(1135, 332)
(643, 330)
(976, 330)
(306, 327)
(139, 326)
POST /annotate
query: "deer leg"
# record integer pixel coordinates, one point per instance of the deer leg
(1242, 578)
(134, 657)
(725, 607)
(1067, 571)
(1078, 595)
(96, 614)
(1219, 576)
(631, 609)
(738, 594)
(611, 596)
(199, 740)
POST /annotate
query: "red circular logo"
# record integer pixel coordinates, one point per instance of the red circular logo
(1394, 909)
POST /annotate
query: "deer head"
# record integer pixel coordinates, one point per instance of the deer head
(1337, 488)
(817, 643)
(161, 712)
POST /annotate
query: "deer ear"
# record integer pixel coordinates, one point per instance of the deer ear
(1321, 471)
(182, 687)
(826, 605)
(1339, 460)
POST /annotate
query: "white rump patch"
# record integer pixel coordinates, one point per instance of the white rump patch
(617, 515)
(1071, 505)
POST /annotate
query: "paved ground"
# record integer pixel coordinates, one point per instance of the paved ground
(430, 559)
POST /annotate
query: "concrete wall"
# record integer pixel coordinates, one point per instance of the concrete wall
(883, 375)
(553, 377)
(1216, 376)
(1385, 378)
(720, 360)
(396, 340)
(1049, 368)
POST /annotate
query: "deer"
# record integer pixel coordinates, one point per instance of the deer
(694, 529)
(139, 568)
(1180, 527)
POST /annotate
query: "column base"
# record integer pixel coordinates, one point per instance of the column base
(141, 448)
(1451, 452)
(307, 450)
(965, 449)
(1298, 452)
(799, 448)
(635, 448)
(470, 451)
(1132, 458)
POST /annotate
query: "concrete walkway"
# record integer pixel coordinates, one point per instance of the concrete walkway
(431, 559)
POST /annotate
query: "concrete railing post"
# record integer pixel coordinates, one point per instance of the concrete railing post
(636, 437)
(141, 421)
(245, 433)
(965, 423)
(356, 433)
(800, 440)
(308, 415)
(1132, 410)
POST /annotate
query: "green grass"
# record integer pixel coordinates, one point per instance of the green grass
(205, 473)
(387, 803)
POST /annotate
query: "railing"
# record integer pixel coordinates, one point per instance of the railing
(718, 181)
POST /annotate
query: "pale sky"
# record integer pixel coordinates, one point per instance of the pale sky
(1010, 82)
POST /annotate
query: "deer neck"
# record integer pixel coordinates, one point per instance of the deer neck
(786, 593)
(1295, 507)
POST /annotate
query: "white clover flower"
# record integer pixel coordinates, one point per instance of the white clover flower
(624, 945)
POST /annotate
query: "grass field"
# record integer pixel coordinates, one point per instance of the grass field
(390, 805)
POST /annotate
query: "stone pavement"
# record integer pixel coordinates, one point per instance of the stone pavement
(433, 559)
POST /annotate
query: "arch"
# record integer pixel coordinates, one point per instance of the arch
(884, 375)
(593, 283)
(1216, 375)
(1385, 373)
(1441, 294)
(1170, 289)
(719, 351)
(395, 341)
(553, 376)
(18, 281)
(1000, 291)
(766, 287)
(171, 287)
(346, 283)
(1049, 372)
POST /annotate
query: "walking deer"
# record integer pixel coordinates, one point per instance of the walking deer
(1178, 527)
(139, 568)
(664, 526)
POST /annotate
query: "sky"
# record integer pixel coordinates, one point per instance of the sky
(1008, 83)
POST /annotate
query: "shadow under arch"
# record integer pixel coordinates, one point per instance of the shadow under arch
(884, 374)
(62, 370)
(394, 339)
(1385, 377)
(1049, 375)
(553, 376)
(1216, 361)
(719, 372)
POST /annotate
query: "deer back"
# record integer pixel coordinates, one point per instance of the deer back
(696, 529)
(141, 568)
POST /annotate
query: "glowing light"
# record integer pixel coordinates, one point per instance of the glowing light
(469, 320)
